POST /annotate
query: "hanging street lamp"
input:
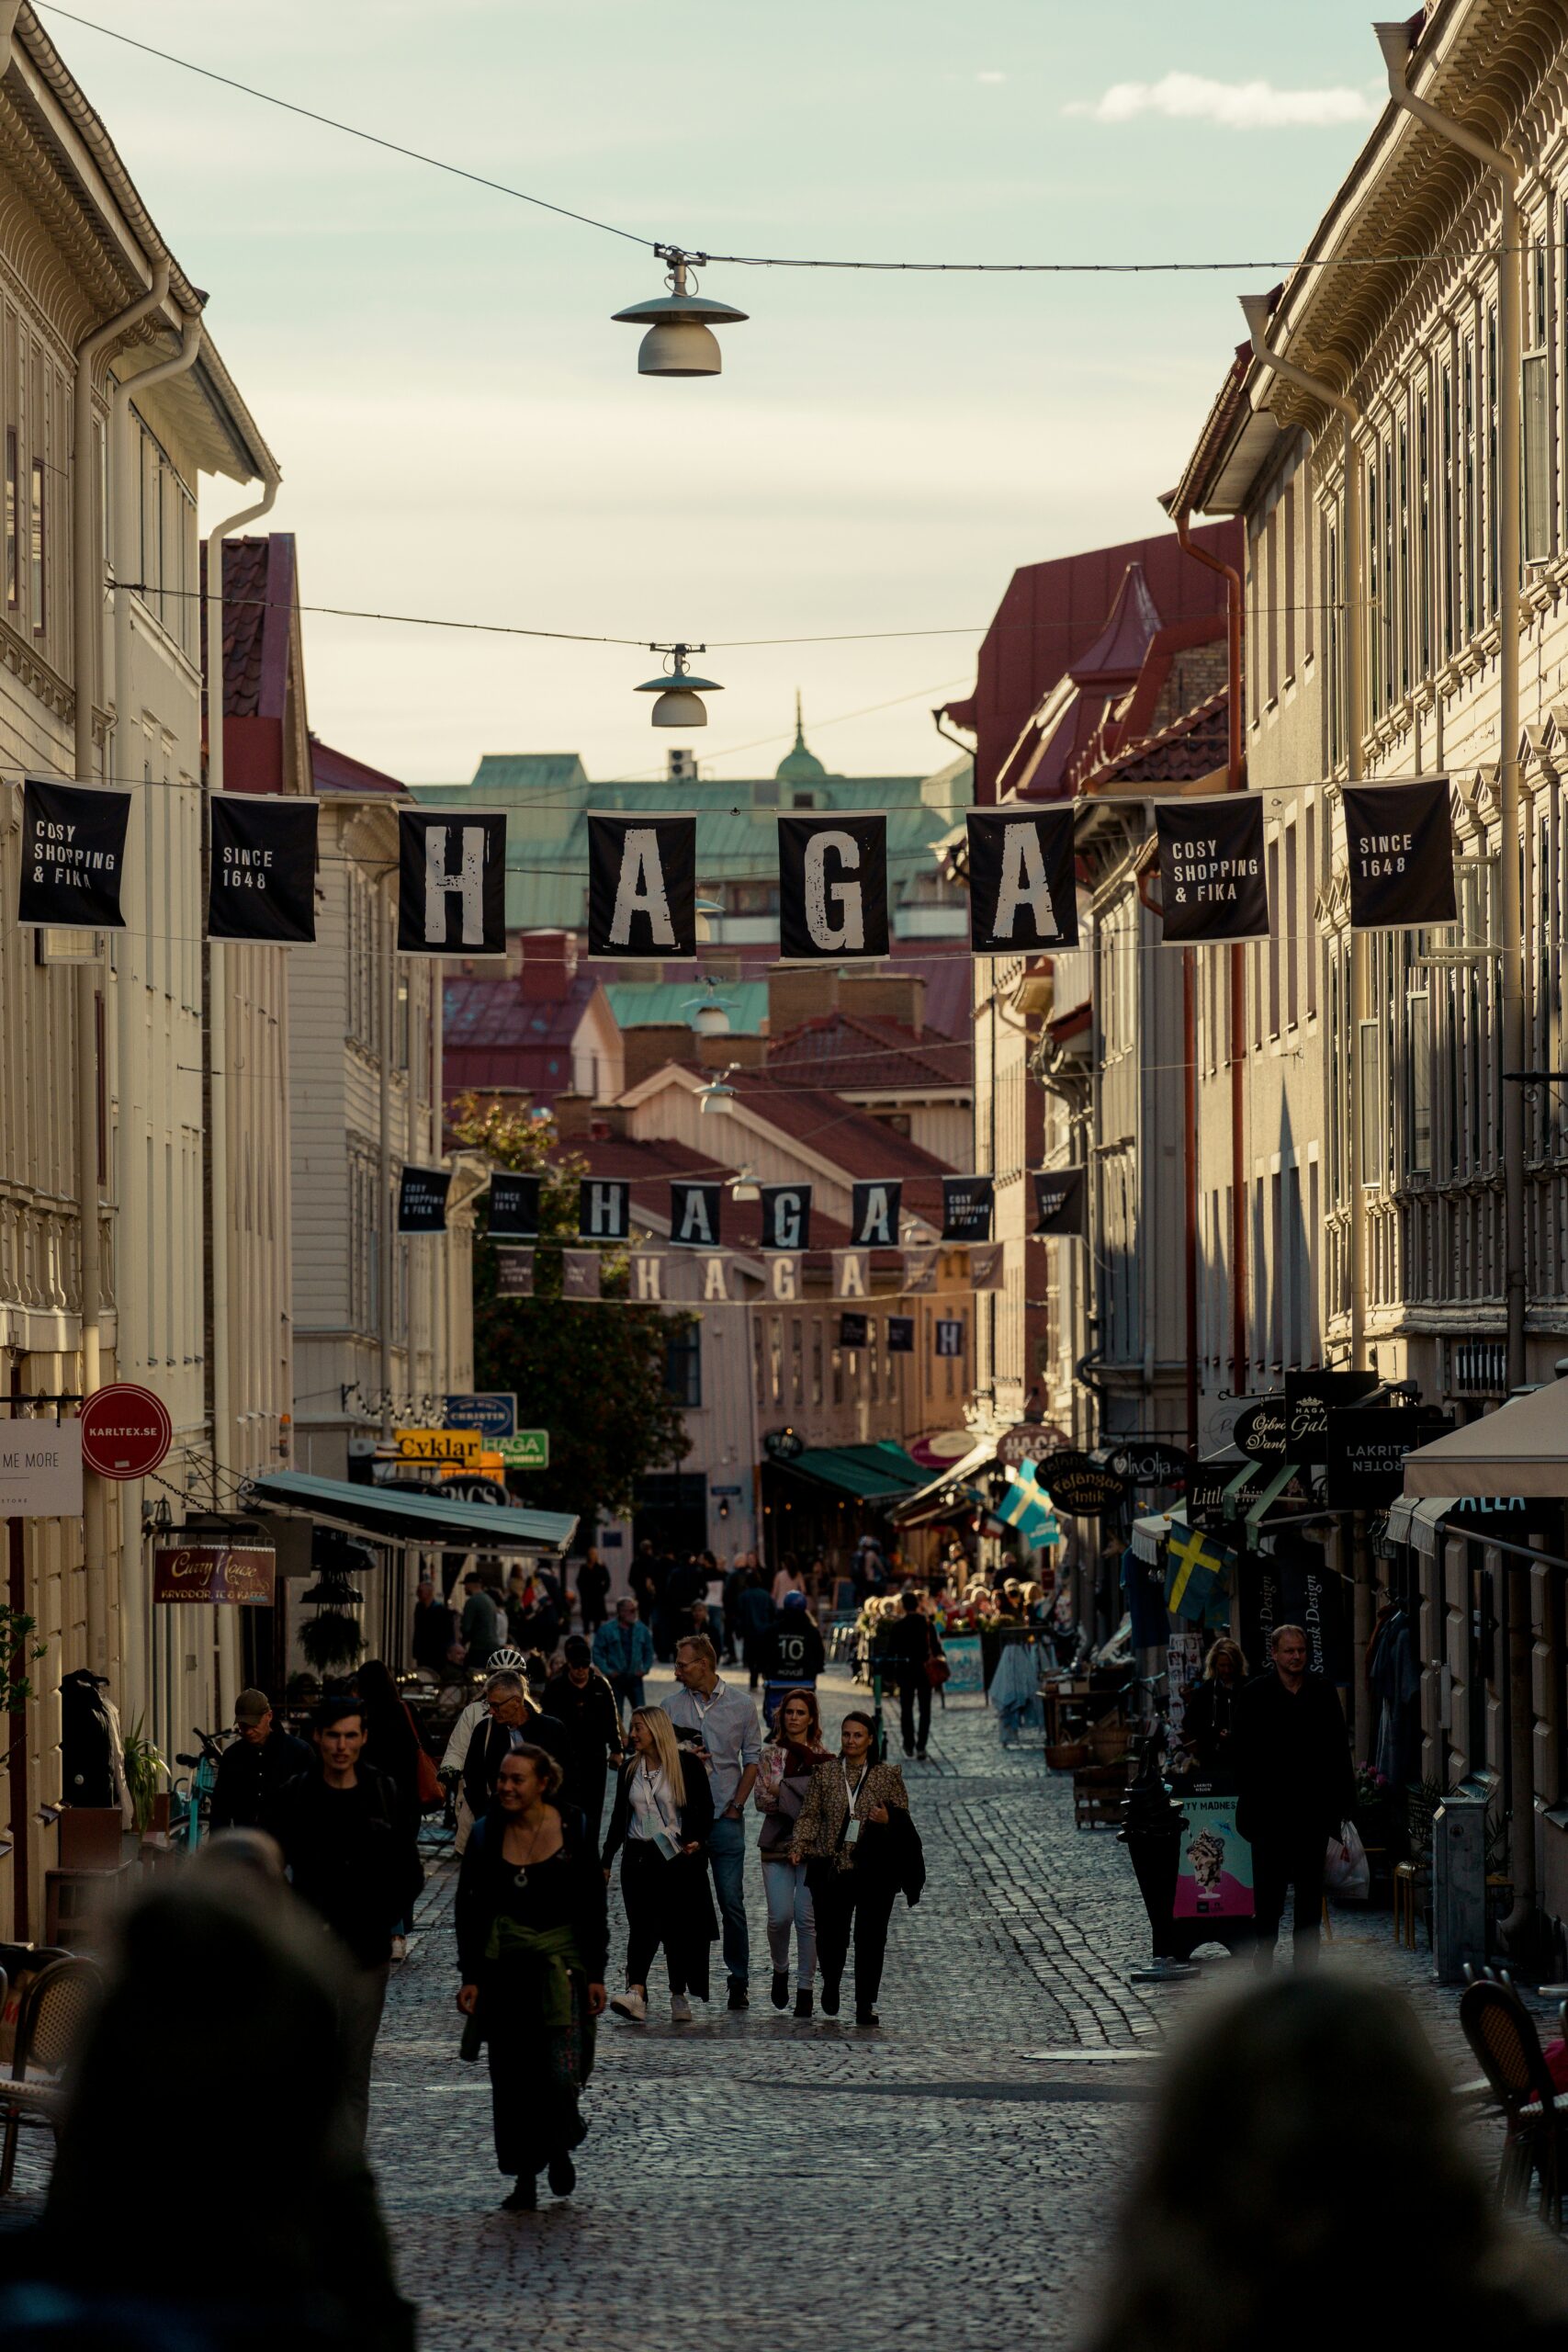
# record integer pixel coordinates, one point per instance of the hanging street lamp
(680, 339)
(710, 1012)
(680, 694)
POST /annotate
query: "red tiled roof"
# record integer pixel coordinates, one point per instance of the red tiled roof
(493, 1036)
(1193, 746)
(1117, 651)
(336, 772)
(258, 601)
(863, 1054)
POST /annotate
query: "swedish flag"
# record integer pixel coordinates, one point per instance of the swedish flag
(1197, 1576)
(1027, 1505)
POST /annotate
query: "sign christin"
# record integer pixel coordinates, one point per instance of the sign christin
(451, 883)
(73, 860)
(832, 888)
(1021, 894)
(874, 1215)
(1399, 845)
(1214, 881)
(262, 868)
(642, 887)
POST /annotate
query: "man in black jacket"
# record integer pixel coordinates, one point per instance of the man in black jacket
(1292, 1767)
(254, 1767)
(512, 1722)
(581, 1700)
(352, 1858)
(912, 1642)
(793, 1655)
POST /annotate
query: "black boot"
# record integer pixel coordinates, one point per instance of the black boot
(830, 1996)
(803, 2002)
(778, 1992)
(562, 2175)
(524, 2197)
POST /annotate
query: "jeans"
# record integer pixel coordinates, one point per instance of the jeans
(843, 1902)
(1292, 1861)
(361, 1997)
(627, 1690)
(727, 1858)
(915, 1692)
(1014, 1720)
(790, 1904)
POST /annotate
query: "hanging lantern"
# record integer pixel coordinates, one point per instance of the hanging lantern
(710, 1012)
(717, 1094)
(680, 339)
(679, 702)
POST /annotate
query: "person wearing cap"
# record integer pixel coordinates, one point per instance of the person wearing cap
(253, 1767)
(794, 1656)
(580, 1699)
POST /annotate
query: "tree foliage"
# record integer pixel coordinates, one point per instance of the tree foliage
(591, 1374)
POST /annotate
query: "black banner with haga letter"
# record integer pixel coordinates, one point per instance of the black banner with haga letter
(261, 881)
(1214, 883)
(642, 887)
(695, 1211)
(451, 883)
(832, 888)
(1399, 843)
(73, 855)
(786, 1217)
(874, 1215)
(1021, 893)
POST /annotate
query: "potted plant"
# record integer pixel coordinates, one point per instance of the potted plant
(144, 1769)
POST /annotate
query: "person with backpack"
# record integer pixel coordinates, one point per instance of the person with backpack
(792, 1653)
(350, 1854)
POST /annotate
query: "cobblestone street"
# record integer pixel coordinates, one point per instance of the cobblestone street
(949, 2178)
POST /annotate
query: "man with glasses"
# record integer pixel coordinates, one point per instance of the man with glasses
(721, 1725)
(511, 1721)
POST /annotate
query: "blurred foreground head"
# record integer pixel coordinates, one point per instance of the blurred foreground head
(212, 2061)
(1307, 2181)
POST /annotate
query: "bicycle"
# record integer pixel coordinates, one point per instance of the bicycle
(195, 1795)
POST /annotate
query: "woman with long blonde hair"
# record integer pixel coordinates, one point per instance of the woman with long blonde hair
(663, 1815)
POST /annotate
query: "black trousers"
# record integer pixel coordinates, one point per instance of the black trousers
(666, 1904)
(845, 1903)
(1289, 1861)
(533, 2107)
(915, 1697)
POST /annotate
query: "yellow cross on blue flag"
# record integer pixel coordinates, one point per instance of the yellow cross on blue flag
(1196, 1570)
(1027, 1505)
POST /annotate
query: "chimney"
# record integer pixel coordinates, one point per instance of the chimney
(798, 993)
(574, 1116)
(746, 1053)
(548, 966)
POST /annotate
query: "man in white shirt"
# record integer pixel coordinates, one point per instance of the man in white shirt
(732, 1745)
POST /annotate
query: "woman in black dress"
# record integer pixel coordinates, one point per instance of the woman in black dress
(663, 1815)
(532, 1943)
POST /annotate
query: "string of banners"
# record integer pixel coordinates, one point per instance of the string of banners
(642, 872)
(696, 1211)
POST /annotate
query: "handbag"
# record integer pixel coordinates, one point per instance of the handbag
(427, 1779)
(938, 1673)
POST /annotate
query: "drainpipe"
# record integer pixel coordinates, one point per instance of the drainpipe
(86, 633)
(1395, 41)
(387, 912)
(1236, 782)
(126, 767)
(215, 1011)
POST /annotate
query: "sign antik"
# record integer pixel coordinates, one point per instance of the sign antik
(1080, 1486)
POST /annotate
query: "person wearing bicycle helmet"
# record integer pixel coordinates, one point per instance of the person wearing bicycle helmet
(254, 1767)
(456, 1755)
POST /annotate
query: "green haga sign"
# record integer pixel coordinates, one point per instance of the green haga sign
(529, 1450)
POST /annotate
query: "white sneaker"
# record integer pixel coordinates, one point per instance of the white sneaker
(631, 2003)
(399, 1948)
(679, 2010)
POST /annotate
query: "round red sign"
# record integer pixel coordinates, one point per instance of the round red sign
(126, 1431)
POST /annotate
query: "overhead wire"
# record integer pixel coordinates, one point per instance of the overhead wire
(664, 247)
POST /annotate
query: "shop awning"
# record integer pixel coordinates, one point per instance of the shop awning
(1521, 1449)
(1270, 1494)
(390, 1517)
(1148, 1534)
(872, 1474)
(926, 1501)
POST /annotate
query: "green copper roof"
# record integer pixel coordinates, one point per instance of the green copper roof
(800, 766)
(645, 1004)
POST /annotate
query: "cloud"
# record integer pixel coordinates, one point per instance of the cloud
(990, 77)
(1238, 105)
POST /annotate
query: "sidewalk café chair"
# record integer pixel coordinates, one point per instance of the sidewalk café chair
(1502, 2032)
(54, 2010)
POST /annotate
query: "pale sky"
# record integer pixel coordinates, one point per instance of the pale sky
(462, 431)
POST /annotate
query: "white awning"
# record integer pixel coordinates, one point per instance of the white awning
(1148, 1534)
(1521, 1449)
